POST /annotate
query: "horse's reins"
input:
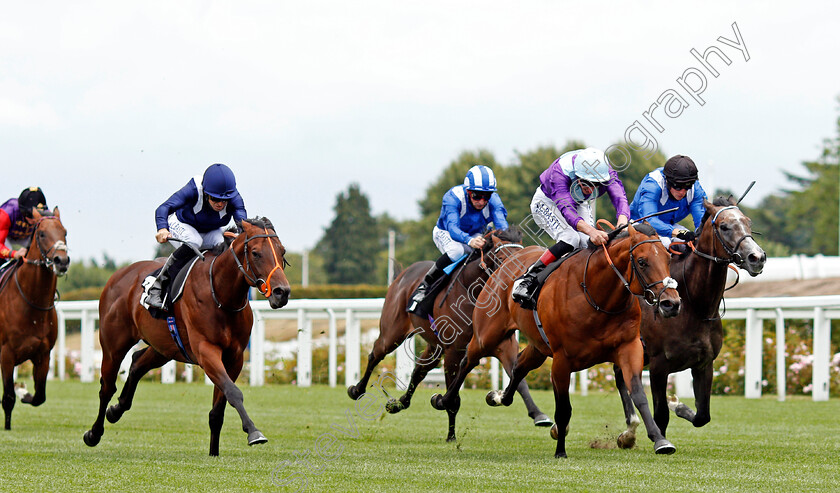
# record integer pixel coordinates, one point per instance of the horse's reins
(262, 285)
(45, 261)
(482, 264)
(648, 294)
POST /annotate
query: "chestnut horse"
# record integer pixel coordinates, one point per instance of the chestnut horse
(587, 313)
(452, 328)
(28, 322)
(693, 338)
(213, 316)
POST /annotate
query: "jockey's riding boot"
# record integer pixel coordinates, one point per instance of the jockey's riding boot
(419, 295)
(173, 264)
(525, 287)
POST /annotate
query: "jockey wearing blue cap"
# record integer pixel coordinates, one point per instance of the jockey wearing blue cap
(466, 211)
(673, 185)
(196, 214)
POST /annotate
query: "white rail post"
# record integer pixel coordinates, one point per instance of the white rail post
(333, 350)
(822, 355)
(61, 346)
(352, 352)
(86, 373)
(781, 369)
(584, 381)
(406, 357)
(167, 372)
(257, 376)
(304, 357)
(683, 384)
(188, 373)
(494, 374)
(752, 358)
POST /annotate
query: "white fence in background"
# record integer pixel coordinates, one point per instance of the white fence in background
(796, 267)
(821, 309)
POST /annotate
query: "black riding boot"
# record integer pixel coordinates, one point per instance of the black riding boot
(173, 264)
(526, 286)
(419, 295)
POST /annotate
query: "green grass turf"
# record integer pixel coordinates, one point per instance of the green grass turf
(161, 444)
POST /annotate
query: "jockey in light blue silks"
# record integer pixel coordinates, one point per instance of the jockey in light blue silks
(466, 211)
(197, 214)
(562, 207)
(673, 185)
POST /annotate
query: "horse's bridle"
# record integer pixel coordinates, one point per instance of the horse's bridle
(45, 261)
(734, 256)
(650, 297)
(262, 285)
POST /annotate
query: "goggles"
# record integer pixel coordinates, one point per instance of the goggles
(479, 195)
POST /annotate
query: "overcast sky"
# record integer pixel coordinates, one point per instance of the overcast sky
(112, 106)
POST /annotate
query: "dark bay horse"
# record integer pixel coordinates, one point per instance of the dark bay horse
(451, 332)
(213, 317)
(28, 322)
(589, 314)
(693, 338)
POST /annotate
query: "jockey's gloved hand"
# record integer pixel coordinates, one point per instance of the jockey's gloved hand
(686, 235)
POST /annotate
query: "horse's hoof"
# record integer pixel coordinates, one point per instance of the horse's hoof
(673, 403)
(561, 455)
(626, 440)
(91, 440)
(555, 432)
(394, 406)
(494, 398)
(451, 439)
(353, 392)
(437, 402)
(664, 447)
(542, 420)
(112, 414)
(256, 438)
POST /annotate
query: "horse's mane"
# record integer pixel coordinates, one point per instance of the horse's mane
(720, 201)
(642, 227)
(513, 234)
(260, 222)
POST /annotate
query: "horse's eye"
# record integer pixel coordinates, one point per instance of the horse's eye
(643, 263)
(256, 254)
(724, 227)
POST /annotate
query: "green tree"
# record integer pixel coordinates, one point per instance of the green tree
(350, 244)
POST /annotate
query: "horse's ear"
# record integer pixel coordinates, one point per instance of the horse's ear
(496, 240)
(708, 205)
(35, 214)
(632, 231)
(230, 234)
(56, 212)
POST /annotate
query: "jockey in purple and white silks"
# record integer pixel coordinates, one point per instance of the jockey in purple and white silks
(673, 185)
(562, 207)
(17, 222)
(197, 215)
(464, 215)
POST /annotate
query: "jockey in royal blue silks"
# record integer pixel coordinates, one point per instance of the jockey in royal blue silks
(673, 185)
(466, 211)
(196, 215)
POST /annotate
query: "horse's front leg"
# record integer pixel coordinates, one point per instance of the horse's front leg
(428, 360)
(217, 419)
(627, 438)
(40, 370)
(7, 370)
(658, 393)
(210, 358)
(560, 379)
(506, 353)
(630, 359)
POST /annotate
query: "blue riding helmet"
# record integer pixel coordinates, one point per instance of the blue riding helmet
(219, 182)
(591, 165)
(480, 178)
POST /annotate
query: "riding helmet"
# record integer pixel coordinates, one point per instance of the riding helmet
(32, 197)
(219, 182)
(680, 169)
(591, 165)
(480, 178)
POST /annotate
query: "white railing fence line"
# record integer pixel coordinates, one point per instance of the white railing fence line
(820, 309)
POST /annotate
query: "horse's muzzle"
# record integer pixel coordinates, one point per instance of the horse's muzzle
(60, 264)
(669, 308)
(754, 264)
(279, 297)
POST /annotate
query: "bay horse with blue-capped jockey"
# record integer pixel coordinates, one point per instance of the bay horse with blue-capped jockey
(213, 319)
